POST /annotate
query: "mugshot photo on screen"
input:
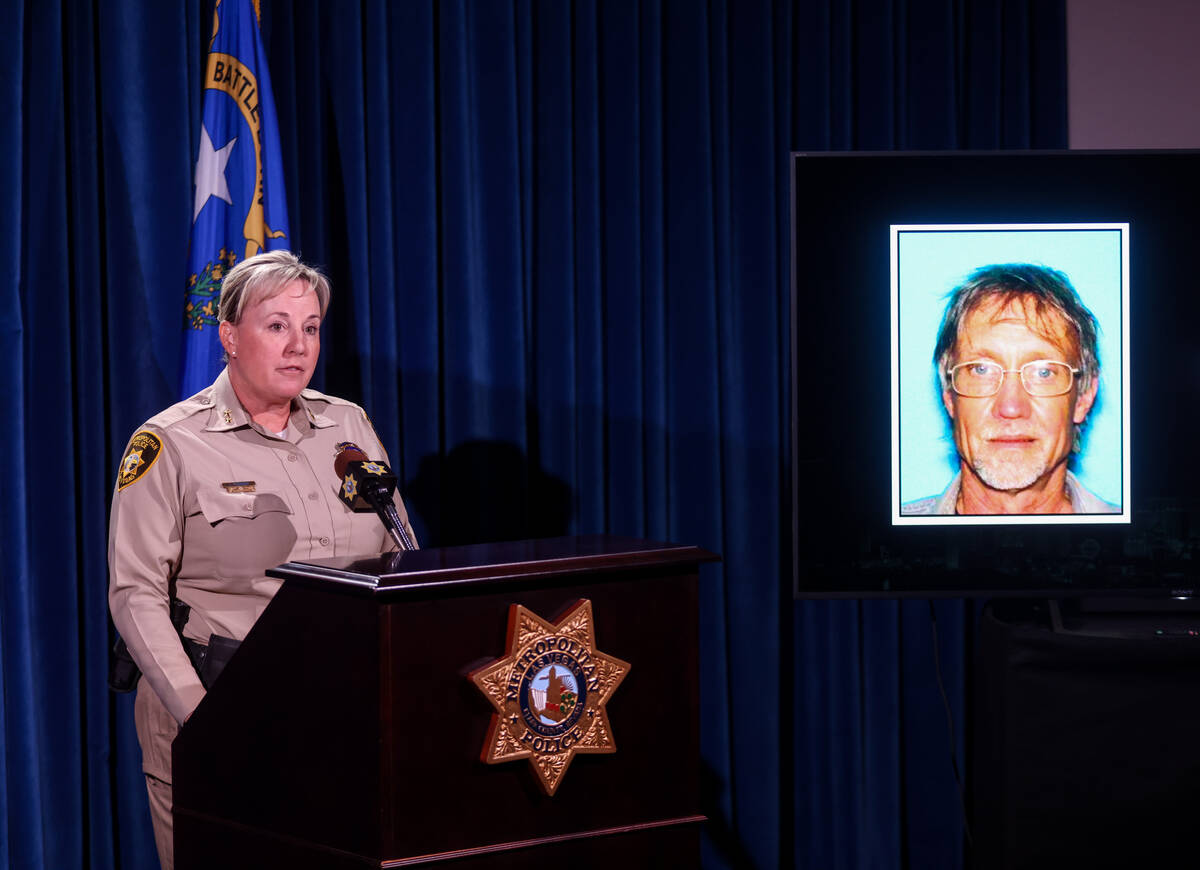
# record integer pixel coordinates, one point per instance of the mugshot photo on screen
(1009, 373)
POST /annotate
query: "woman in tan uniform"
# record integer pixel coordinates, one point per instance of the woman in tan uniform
(219, 488)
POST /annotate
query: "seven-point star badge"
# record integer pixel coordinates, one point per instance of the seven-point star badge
(549, 693)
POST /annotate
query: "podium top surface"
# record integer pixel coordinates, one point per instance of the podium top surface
(484, 564)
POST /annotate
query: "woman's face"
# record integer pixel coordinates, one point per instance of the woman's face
(273, 350)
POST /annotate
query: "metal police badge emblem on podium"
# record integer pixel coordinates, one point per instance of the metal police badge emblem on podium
(549, 693)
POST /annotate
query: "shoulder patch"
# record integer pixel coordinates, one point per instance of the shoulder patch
(143, 450)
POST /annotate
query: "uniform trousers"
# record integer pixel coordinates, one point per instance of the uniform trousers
(156, 730)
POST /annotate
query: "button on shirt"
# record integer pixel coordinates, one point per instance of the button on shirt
(222, 501)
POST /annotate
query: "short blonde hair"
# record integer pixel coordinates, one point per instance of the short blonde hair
(264, 275)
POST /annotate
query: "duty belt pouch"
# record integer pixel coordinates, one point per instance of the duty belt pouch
(123, 674)
(209, 660)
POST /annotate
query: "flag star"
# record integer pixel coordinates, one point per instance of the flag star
(210, 172)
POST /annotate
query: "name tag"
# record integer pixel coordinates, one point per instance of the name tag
(239, 486)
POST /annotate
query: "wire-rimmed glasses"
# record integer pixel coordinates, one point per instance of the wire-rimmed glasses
(1042, 378)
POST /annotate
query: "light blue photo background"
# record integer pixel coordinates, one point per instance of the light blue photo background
(931, 264)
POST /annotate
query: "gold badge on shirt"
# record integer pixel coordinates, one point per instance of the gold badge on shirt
(239, 486)
(143, 449)
(549, 693)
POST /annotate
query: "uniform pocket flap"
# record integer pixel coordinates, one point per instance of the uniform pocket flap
(217, 504)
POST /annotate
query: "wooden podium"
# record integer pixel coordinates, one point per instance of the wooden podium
(346, 732)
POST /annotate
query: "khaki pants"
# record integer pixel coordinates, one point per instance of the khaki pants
(156, 729)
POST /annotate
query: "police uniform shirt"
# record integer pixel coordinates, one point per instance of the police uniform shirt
(209, 499)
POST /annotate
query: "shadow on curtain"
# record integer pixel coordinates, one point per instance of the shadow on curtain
(558, 239)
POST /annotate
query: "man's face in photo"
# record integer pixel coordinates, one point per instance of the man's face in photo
(1012, 440)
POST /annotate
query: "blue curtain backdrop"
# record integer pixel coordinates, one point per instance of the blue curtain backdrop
(558, 238)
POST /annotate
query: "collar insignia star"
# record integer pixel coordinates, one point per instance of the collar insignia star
(549, 693)
(227, 416)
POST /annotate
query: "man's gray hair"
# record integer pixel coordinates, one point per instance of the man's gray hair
(261, 277)
(1048, 290)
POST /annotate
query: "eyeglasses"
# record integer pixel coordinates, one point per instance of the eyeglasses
(1042, 378)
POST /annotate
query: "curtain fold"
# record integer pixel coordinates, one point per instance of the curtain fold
(18, 776)
(559, 246)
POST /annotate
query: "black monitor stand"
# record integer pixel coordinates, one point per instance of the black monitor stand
(1087, 737)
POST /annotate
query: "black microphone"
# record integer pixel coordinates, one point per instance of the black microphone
(368, 485)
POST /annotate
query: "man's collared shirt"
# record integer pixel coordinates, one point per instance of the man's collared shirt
(1082, 501)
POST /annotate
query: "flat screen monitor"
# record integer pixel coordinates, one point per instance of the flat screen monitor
(995, 373)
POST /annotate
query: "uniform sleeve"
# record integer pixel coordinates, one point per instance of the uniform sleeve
(145, 543)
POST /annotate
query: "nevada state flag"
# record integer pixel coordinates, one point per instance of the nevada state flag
(240, 205)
